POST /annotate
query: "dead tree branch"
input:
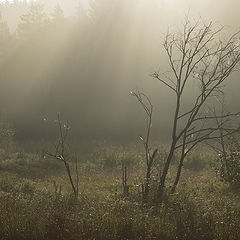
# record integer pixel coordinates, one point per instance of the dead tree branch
(146, 104)
(60, 151)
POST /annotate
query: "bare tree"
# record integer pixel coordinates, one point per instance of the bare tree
(146, 104)
(124, 179)
(60, 153)
(196, 55)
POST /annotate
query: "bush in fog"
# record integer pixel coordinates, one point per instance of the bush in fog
(229, 162)
(7, 133)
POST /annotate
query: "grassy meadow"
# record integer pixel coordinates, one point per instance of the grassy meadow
(36, 200)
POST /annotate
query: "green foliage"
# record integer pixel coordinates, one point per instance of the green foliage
(229, 162)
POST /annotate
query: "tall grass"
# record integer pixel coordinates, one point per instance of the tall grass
(31, 208)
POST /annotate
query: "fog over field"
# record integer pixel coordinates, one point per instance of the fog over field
(82, 58)
(119, 119)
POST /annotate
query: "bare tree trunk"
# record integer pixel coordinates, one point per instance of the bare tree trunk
(172, 150)
(146, 189)
(124, 180)
(165, 172)
(70, 178)
(178, 174)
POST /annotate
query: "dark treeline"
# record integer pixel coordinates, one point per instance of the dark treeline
(82, 65)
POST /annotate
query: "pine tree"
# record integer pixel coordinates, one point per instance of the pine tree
(32, 23)
(58, 13)
(5, 36)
